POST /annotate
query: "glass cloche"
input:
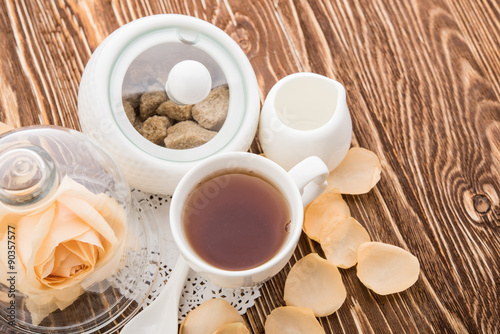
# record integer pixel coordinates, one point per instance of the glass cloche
(77, 254)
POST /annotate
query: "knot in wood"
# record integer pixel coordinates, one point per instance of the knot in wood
(482, 203)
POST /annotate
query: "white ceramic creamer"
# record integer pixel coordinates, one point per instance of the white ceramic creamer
(305, 114)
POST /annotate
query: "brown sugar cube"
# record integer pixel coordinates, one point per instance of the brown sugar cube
(187, 134)
(211, 112)
(154, 129)
(150, 101)
(129, 111)
(174, 111)
(132, 97)
(138, 125)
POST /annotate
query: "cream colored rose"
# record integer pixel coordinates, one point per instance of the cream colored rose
(72, 242)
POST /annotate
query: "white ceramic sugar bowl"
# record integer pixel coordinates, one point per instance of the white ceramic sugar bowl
(144, 53)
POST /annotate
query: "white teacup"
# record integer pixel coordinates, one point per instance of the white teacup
(298, 187)
(305, 114)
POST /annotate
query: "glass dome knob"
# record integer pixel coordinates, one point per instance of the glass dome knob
(28, 174)
(189, 82)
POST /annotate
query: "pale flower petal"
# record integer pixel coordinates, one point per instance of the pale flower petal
(357, 174)
(36, 236)
(385, 268)
(30, 232)
(65, 226)
(325, 207)
(209, 316)
(292, 320)
(315, 283)
(46, 268)
(112, 212)
(233, 328)
(90, 216)
(7, 218)
(340, 241)
(40, 308)
(109, 209)
(70, 265)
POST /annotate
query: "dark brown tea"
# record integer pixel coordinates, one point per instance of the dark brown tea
(236, 221)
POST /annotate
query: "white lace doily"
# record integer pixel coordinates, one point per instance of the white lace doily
(197, 289)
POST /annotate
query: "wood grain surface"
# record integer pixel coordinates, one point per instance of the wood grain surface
(423, 88)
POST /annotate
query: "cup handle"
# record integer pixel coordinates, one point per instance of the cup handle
(310, 177)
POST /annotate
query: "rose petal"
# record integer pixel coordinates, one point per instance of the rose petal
(42, 304)
(72, 258)
(65, 297)
(39, 309)
(65, 268)
(46, 268)
(31, 231)
(65, 226)
(293, 320)
(233, 328)
(60, 254)
(70, 261)
(7, 218)
(112, 212)
(315, 283)
(90, 216)
(87, 251)
(385, 268)
(321, 210)
(90, 237)
(36, 236)
(79, 249)
(107, 206)
(340, 241)
(206, 318)
(87, 246)
(357, 174)
(69, 264)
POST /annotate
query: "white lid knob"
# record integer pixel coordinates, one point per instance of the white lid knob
(188, 82)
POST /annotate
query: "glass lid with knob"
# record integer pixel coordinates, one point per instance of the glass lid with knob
(28, 175)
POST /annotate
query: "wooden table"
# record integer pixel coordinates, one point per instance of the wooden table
(423, 88)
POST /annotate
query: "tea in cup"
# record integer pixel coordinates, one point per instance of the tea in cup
(237, 217)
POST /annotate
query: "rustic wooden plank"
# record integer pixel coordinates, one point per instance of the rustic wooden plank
(419, 111)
